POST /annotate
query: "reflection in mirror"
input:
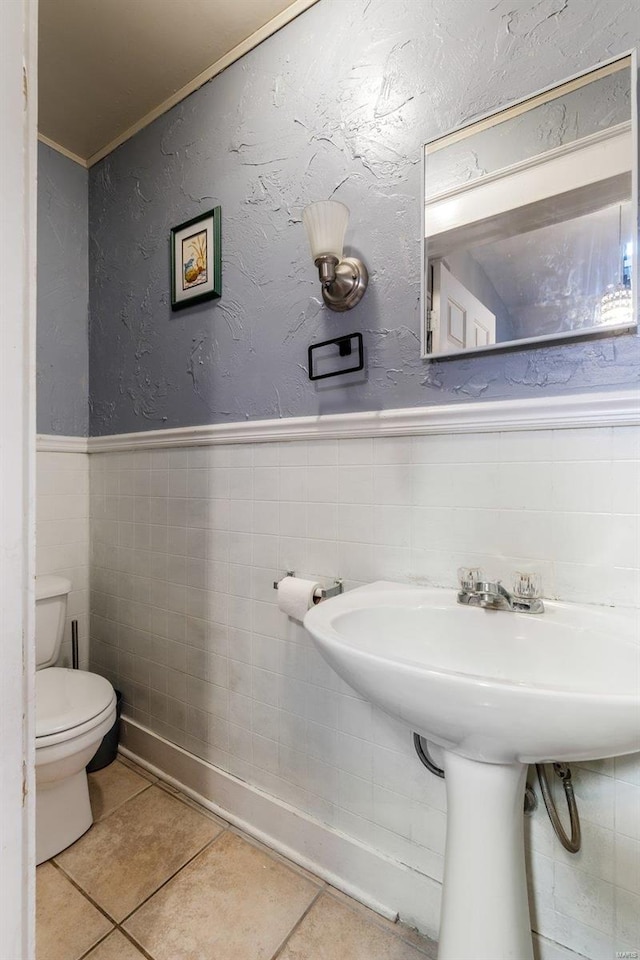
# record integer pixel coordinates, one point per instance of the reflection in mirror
(531, 219)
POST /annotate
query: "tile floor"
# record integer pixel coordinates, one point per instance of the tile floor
(159, 877)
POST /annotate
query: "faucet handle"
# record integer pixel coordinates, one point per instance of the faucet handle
(527, 586)
(468, 577)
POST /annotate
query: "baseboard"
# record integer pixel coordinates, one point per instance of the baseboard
(384, 885)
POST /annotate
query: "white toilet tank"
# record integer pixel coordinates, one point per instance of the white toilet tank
(51, 612)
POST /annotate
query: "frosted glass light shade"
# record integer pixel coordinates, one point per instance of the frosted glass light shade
(326, 224)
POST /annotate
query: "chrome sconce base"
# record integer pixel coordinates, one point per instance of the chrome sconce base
(343, 281)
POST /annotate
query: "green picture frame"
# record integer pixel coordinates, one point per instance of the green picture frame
(196, 260)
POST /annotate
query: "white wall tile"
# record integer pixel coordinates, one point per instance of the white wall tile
(393, 484)
(628, 768)
(62, 537)
(627, 809)
(355, 484)
(293, 519)
(322, 484)
(185, 549)
(584, 897)
(627, 863)
(594, 443)
(293, 483)
(322, 453)
(627, 917)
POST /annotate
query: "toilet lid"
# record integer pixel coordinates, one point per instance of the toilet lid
(68, 698)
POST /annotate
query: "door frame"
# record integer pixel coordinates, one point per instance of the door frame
(18, 198)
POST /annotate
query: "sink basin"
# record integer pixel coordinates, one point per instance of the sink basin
(489, 685)
(497, 691)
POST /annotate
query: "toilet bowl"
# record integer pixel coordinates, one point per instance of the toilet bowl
(74, 710)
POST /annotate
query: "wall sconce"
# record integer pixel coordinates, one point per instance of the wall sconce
(344, 281)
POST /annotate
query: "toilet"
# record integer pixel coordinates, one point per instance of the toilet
(74, 710)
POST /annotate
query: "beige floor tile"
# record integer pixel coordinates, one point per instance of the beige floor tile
(122, 859)
(403, 930)
(136, 768)
(115, 947)
(192, 803)
(278, 856)
(67, 925)
(232, 902)
(111, 786)
(426, 946)
(333, 931)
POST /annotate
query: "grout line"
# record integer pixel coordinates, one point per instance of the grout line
(296, 925)
(84, 893)
(173, 875)
(138, 946)
(120, 805)
(96, 944)
(102, 910)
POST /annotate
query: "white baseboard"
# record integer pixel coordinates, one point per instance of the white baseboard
(386, 886)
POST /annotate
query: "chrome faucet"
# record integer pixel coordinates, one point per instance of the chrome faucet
(491, 595)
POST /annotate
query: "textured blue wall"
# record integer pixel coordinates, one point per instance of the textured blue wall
(62, 354)
(338, 104)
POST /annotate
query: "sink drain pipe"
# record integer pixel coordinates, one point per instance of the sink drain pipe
(562, 770)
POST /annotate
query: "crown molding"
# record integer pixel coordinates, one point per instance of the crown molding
(549, 413)
(256, 38)
(63, 150)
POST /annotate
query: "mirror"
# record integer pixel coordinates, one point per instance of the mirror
(530, 219)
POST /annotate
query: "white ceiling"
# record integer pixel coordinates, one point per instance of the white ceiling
(104, 65)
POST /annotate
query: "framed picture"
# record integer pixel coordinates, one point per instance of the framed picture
(196, 265)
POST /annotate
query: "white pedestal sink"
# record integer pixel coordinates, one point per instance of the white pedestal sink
(497, 691)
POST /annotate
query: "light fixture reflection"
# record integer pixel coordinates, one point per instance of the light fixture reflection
(616, 305)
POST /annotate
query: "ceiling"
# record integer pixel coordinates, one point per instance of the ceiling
(106, 65)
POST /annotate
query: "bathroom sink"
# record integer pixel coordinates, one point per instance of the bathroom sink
(489, 685)
(496, 690)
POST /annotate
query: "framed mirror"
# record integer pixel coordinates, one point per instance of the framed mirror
(531, 219)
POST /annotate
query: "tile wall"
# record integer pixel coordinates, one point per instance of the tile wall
(62, 537)
(186, 544)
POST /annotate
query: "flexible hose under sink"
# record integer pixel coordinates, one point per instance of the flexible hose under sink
(573, 843)
(423, 754)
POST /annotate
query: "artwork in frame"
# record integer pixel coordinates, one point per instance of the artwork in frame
(196, 264)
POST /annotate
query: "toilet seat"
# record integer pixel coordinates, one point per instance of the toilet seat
(69, 703)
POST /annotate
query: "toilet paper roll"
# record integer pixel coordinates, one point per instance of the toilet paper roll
(295, 596)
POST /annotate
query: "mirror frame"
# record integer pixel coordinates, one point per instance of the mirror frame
(565, 335)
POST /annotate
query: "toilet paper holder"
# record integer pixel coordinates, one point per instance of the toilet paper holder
(322, 593)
